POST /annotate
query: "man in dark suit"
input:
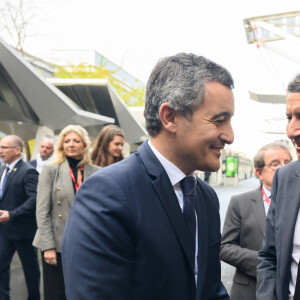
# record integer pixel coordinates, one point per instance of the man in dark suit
(244, 224)
(147, 227)
(45, 152)
(278, 277)
(17, 221)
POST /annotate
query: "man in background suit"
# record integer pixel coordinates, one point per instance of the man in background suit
(278, 277)
(134, 227)
(244, 224)
(17, 221)
(45, 152)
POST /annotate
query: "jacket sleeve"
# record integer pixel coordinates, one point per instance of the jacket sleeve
(99, 238)
(30, 181)
(43, 208)
(231, 251)
(266, 269)
(214, 289)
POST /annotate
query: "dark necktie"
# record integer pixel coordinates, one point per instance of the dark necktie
(188, 187)
(4, 181)
(297, 287)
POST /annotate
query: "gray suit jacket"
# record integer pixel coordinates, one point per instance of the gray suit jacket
(55, 195)
(274, 259)
(242, 239)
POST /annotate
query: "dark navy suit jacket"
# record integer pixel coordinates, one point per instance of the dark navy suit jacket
(126, 237)
(19, 198)
(275, 257)
(33, 163)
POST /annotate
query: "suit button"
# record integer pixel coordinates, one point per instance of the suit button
(60, 216)
(58, 188)
(58, 202)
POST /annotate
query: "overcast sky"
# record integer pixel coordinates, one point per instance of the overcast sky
(136, 34)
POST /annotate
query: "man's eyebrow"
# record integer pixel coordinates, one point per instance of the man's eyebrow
(274, 160)
(297, 113)
(221, 114)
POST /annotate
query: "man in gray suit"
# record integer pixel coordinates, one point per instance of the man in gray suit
(245, 221)
(278, 260)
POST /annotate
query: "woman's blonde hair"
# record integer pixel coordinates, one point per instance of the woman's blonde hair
(60, 156)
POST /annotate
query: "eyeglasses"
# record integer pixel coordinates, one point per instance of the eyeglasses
(277, 164)
(7, 147)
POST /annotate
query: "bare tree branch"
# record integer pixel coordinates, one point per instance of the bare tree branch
(15, 18)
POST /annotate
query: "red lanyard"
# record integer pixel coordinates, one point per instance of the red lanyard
(265, 197)
(79, 178)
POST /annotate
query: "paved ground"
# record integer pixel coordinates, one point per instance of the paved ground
(18, 288)
(224, 194)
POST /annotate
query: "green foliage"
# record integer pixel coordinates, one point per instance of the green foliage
(133, 95)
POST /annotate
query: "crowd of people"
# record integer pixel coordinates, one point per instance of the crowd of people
(146, 227)
(36, 201)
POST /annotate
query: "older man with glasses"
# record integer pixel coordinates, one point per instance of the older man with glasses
(18, 184)
(245, 221)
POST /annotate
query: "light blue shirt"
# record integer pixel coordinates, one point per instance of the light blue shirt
(11, 167)
(176, 175)
(268, 193)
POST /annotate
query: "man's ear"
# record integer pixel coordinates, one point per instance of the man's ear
(167, 117)
(18, 150)
(258, 172)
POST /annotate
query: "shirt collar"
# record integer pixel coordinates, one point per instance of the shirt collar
(12, 165)
(175, 174)
(268, 192)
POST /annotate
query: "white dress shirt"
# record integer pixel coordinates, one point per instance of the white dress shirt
(176, 175)
(40, 163)
(295, 258)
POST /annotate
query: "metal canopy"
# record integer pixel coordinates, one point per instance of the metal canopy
(274, 27)
(97, 95)
(270, 33)
(27, 100)
(267, 98)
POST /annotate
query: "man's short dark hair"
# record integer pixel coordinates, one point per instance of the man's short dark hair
(180, 81)
(294, 85)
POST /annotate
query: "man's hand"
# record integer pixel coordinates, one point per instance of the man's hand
(4, 216)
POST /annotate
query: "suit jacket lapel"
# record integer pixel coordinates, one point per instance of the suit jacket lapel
(202, 238)
(11, 175)
(259, 209)
(170, 203)
(87, 171)
(167, 196)
(289, 218)
(65, 182)
(1, 172)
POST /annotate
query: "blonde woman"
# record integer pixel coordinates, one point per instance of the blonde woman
(58, 183)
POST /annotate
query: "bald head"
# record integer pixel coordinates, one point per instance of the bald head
(14, 140)
(46, 148)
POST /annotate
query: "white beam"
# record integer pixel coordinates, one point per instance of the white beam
(277, 31)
